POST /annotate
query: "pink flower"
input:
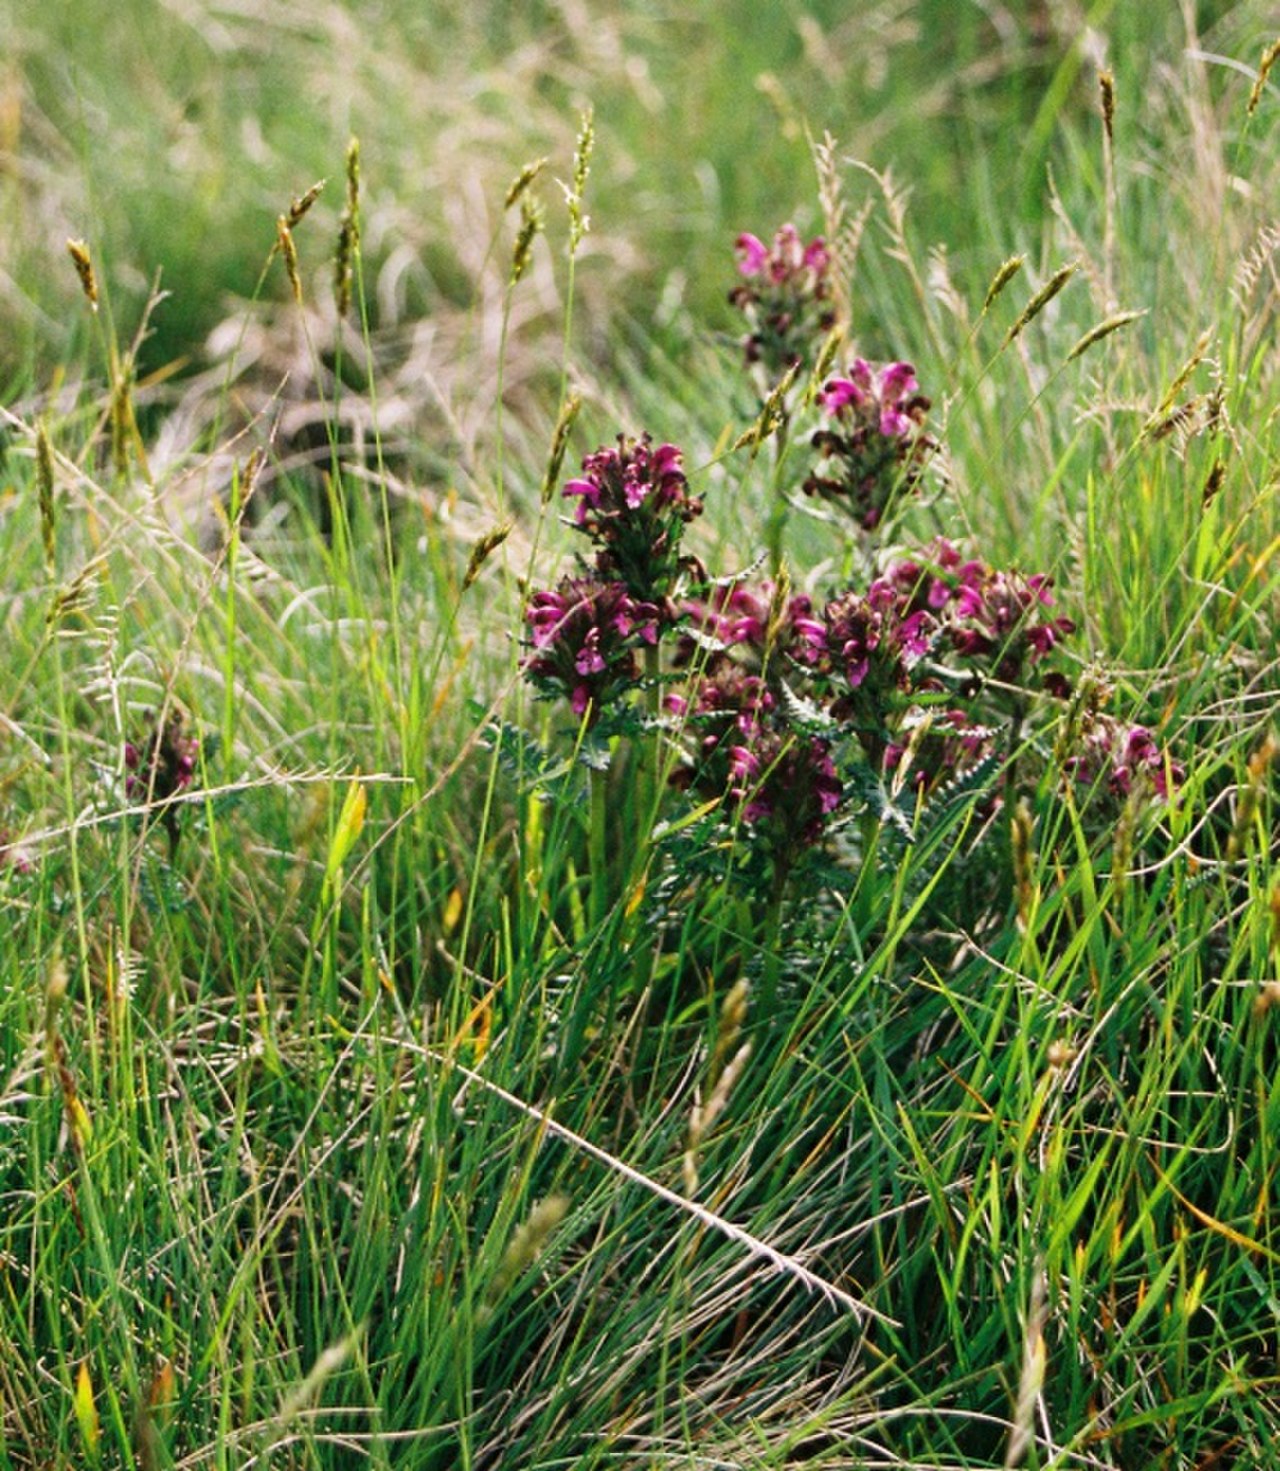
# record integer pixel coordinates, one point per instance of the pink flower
(753, 254)
(785, 297)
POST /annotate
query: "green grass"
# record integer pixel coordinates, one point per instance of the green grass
(287, 1068)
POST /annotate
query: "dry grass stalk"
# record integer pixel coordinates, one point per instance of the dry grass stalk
(724, 1067)
(842, 236)
(703, 1116)
(1031, 1381)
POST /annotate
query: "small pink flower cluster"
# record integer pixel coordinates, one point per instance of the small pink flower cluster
(746, 748)
(1125, 758)
(164, 763)
(13, 855)
(785, 297)
(870, 662)
(875, 446)
(634, 503)
(585, 636)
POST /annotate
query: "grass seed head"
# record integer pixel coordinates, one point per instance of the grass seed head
(284, 240)
(1213, 484)
(1041, 299)
(1008, 270)
(303, 202)
(520, 184)
(348, 233)
(579, 223)
(559, 444)
(1107, 96)
(1269, 58)
(83, 262)
(44, 491)
(1105, 328)
(483, 549)
(532, 221)
(526, 1245)
(1024, 860)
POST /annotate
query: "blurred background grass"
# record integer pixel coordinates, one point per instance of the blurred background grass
(170, 135)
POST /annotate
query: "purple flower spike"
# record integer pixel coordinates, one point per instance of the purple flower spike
(875, 444)
(634, 503)
(584, 635)
(786, 298)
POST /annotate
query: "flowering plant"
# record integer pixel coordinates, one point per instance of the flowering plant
(874, 444)
(786, 297)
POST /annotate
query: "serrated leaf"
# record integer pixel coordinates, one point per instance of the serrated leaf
(806, 713)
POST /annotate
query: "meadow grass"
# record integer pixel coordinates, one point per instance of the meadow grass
(394, 1067)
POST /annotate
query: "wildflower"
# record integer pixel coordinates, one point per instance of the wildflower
(13, 855)
(786, 297)
(875, 445)
(875, 639)
(745, 753)
(786, 782)
(634, 503)
(164, 763)
(585, 633)
(162, 766)
(995, 616)
(1126, 759)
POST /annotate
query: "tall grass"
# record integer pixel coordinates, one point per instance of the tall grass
(391, 1087)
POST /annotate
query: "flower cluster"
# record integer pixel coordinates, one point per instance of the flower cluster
(875, 445)
(1124, 758)
(786, 297)
(585, 635)
(164, 763)
(161, 766)
(634, 503)
(745, 748)
(993, 618)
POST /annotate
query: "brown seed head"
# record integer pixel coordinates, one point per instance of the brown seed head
(83, 262)
(1269, 58)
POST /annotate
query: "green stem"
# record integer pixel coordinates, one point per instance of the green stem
(598, 845)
